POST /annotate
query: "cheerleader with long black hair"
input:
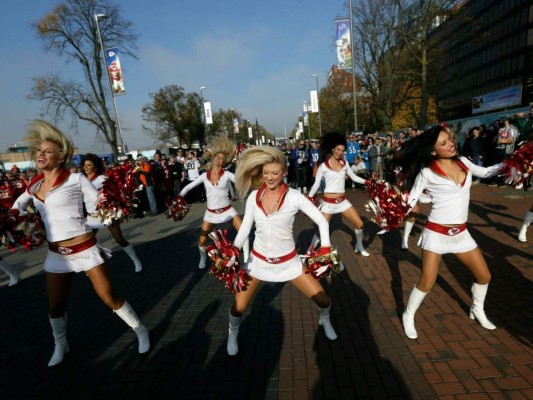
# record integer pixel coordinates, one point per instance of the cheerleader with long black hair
(430, 163)
(334, 168)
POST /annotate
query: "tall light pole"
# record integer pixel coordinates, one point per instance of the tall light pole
(353, 70)
(232, 127)
(318, 105)
(203, 108)
(106, 72)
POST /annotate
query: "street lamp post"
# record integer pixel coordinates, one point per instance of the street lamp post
(353, 70)
(96, 17)
(232, 127)
(203, 108)
(318, 104)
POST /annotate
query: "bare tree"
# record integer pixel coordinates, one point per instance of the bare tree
(70, 31)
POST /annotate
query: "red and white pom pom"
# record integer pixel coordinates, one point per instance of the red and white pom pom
(178, 209)
(21, 230)
(226, 266)
(387, 205)
(519, 165)
(115, 200)
(313, 200)
(322, 263)
(240, 148)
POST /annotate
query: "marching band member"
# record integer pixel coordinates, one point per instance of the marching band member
(430, 163)
(334, 170)
(272, 206)
(93, 168)
(217, 181)
(59, 196)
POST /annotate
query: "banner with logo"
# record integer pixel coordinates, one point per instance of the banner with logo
(235, 125)
(115, 71)
(306, 118)
(343, 44)
(511, 96)
(208, 115)
(250, 133)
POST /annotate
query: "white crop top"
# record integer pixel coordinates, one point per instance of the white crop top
(335, 181)
(98, 182)
(62, 209)
(273, 232)
(217, 195)
(449, 200)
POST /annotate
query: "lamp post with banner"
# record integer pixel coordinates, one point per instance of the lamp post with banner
(233, 124)
(318, 105)
(120, 149)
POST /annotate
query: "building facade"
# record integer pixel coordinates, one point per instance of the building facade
(485, 47)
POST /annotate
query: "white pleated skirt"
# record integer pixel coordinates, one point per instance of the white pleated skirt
(445, 244)
(282, 272)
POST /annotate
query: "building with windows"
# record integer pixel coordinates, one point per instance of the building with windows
(486, 49)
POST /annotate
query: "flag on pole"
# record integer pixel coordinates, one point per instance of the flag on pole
(343, 41)
(208, 115)
(114, 70)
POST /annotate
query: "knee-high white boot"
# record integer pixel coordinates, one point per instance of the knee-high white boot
(14, 277)
(246, 250)
(128, 315)
(527, 220)
(479, 292)
(406, 231)
(59, 330)
(203, 257)
(324, 321)
(408, 318)
(359, 243)
(130, 251)
(233, 332)
(315, 241)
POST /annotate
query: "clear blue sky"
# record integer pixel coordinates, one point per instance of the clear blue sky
(256, 57)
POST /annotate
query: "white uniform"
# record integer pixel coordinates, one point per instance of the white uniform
(274, 236)
(335, 183)
(62, 215)
(98, 183)
(219, 209)
(449, 206)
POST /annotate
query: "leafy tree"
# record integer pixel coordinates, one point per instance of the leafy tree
(69, 31)
(174, 116)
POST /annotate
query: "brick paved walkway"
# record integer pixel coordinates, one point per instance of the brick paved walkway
(283, 353)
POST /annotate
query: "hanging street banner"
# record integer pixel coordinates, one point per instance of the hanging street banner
(508, 97)
(235, 125)
(314, 101)
(342, 41)
(306, 118)
(208, 115)
(250, 133)
(114, 70)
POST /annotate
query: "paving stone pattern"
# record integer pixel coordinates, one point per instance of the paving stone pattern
(283, 351)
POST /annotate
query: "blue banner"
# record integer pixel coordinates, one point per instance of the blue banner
(115, 71)
(507, 97)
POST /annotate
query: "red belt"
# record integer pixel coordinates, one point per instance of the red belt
(445, 230)
(334, 201)
(276, 260)
(220, 210)
(77, 248)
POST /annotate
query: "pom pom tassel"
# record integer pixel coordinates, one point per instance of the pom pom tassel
(178, 209)
(322, 263)
(387, 205)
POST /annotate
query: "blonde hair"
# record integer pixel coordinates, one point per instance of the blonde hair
(249, 173)
(41, 131)
(216, 145)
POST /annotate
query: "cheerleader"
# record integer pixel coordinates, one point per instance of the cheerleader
(217, 184)
(72, 246)
(334, 170)
(430, 163)
(93, 168)
(272, 206)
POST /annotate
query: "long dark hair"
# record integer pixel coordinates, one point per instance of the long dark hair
(328, 142)
(415, 154)
(97, 162)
